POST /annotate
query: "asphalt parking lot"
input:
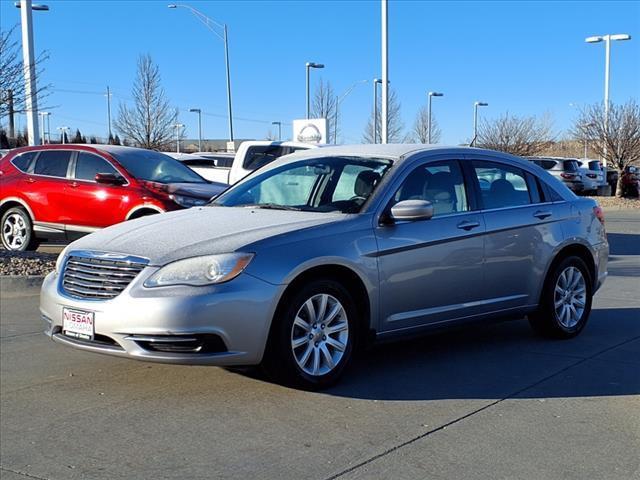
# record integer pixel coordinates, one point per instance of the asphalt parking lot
(487, 402)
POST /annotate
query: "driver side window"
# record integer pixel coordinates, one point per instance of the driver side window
(440, 183)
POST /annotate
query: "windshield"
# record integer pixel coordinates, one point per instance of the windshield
(156, 167)
(330, 184)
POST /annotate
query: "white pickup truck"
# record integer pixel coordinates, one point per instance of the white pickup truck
(250, 156)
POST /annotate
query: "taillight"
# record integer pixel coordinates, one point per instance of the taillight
(568, 176)
(599, 213)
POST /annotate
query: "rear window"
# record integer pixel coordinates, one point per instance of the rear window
(570, 166)
(53, 163)
(261, 155)
(595, 166)
(22, 161)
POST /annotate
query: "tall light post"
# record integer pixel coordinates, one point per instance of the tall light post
(63, 134)
(43, 133)
(586, 139)
(108, 95)
(376, 81)
(48, 131)
(199, 112)
(178, 127)
(308, 66)
(216, 28)
(607, 39)
(30, 89)
(279, 129)
(385, 70)
(475, 120)
(339, 100)
(431, 94)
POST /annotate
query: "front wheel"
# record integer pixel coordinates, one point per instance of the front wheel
(566, 300)
(313, 338)
(17, 230)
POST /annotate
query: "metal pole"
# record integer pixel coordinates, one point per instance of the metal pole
(607, 49)
(475, 124)
(12, 129)
(199, 130)
(429, 128)
(385, 72)
(49, 126)
(335, 122)
(585, 148)
(307, 95)
(375, 110)
(109, 109)
(31, 102)
(42, 133)
(226, 59)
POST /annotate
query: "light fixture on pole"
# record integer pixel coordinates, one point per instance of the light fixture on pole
(307, 66)
(30, 89)
(431, 94)
(607, 39)
(199, 112)
(178, 127)
(279, 129)
(384, 120)
(475, 120)
(63, 134)
(216, 28)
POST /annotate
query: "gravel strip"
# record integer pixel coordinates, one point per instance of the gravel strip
(26, 263)
(616, 203)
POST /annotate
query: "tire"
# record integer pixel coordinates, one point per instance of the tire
(16, 230)
(312, 354)
(566, 300)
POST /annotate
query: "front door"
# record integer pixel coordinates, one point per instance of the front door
(431, 271)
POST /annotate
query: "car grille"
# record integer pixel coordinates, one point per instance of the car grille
(98, 277)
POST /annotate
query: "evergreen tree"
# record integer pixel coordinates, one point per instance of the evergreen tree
(78, 136)
(93, 140)
(116, 140)
(4, 140)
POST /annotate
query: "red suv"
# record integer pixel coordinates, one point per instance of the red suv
(61, 192)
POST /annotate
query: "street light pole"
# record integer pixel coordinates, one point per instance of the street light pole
(63, 134)
(607, 39)
(199, 112)
(210, 24)
(30, 89)
(475, 120)
(307, 66)
(431, 94)
(178, 126)
(109, 110)
(43, 137)
(385, 71)
(376, 81)
(279, 129)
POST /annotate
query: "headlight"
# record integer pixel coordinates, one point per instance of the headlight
(199, 271)
(60, 260)
(188, 202)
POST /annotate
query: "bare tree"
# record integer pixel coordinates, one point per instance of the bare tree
(325, 105)
(12, 87)
(617, 140)
(420, 132)
(395, 125)
(524, 136)
(150, 123)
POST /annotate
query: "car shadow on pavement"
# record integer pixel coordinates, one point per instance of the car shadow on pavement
(503, 360)
(624, 243)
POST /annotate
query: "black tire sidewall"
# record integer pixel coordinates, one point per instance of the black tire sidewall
(280, 361)
(27, 219)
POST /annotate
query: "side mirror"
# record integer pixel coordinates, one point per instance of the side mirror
(411, 210)
(110, 179)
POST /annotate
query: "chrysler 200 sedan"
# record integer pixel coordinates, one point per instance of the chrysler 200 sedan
(306, 259)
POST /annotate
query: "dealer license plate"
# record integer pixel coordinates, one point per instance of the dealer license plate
(77, 323)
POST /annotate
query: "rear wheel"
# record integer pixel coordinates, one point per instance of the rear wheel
(17, 230)
(313, 338)
(566, 300)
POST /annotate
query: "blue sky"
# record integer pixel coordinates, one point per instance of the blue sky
(527, 58)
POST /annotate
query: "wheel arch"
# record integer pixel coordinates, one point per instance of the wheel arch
(10, 202)
(142, 210)
(573, 249)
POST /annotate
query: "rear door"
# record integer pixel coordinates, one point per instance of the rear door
(45, 186)
(522, 230)
(90, 204)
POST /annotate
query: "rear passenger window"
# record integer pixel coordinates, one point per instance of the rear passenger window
(89, 165)
(440, 183)
(501, 185)
(53, 163)
(23, 161)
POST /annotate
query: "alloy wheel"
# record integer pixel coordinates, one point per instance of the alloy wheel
(319, 334)
(570, 297)
(14, 231)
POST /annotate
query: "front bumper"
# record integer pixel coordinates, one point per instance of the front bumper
(238, 313)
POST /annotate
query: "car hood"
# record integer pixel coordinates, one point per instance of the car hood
(198, 231)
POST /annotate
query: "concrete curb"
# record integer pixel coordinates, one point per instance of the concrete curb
(27, 285)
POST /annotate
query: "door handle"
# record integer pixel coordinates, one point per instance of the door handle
(542, 214)
(73, 184)
(468, 225)
(31, 180)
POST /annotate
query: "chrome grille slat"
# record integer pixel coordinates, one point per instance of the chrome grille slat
(99, 277)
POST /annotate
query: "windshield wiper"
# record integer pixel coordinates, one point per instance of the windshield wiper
(273, 206)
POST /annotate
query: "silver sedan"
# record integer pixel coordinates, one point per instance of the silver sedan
(307, 259)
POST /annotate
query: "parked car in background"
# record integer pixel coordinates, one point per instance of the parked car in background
(567, 170)
(209, 165)
(631, 182)
(369, 242)
(252, 155)
(61, 192)
(3, 152)
(593, 176)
